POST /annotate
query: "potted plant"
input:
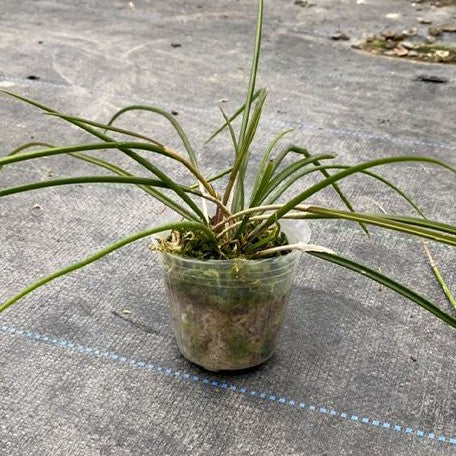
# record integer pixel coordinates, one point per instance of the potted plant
(228, 261)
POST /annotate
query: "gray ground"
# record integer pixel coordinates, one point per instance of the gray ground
(80, 377)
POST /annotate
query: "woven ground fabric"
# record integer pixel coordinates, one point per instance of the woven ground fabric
(88, 363)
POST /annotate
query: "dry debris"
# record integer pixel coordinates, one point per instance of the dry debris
(339, 36)
(398, 44)
(423, 20)
(437, 3)
(435, 31)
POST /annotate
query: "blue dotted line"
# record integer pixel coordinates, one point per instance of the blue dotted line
(211, 382)
(274, 122)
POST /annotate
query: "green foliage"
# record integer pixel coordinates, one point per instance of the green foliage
(241, 225)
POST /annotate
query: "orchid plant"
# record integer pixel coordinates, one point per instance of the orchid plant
(244, 223)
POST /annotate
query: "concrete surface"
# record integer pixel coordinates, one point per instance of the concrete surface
(374, 374)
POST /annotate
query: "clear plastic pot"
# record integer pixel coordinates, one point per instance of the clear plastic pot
(227, 314)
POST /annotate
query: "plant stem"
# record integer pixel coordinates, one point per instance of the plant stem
(269, 207)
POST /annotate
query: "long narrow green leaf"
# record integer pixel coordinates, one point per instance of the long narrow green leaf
(193, 226)
(335, 187)
(256, 198)
(231, 130)
(133, 155)
(291, 169)
(296, 176)
(265, 160)
(248, 127)
(180, 131)
(231, 119)
(218, 214)
(244, 152)
(401, 224)
(253, 73)
(425, 228)
(290, 149)
(117, 170)
(113, 145)
(303, 151)
(387, 282)
(104, 164)
(215, 177)
(26, 146)
(388, 183)
(284, 186)
(150, 190)
(445, 227)
(83, 180)
(438, 275)
(341, 175)
(105, 127)
(261, 190)
(414, 221)
(137, 181)
(254, 122)
(76, 148)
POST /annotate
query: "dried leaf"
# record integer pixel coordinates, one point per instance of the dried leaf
(388, 34)
(400, 51)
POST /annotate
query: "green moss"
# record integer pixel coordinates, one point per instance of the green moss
(196, 245)
(240, 346)
(193, 339)
(376, 44)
